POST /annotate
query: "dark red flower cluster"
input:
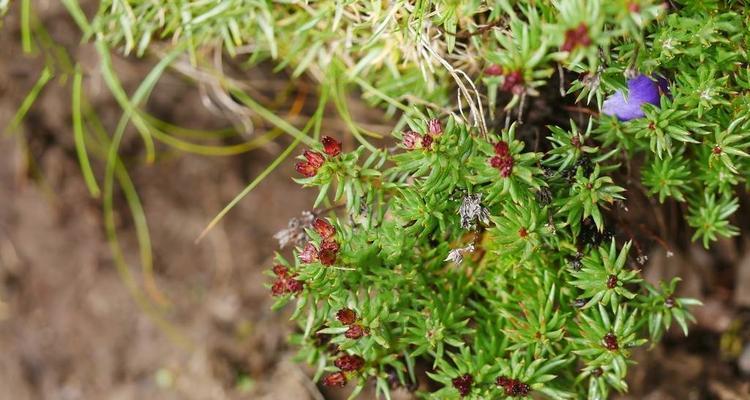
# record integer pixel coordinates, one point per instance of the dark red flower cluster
(610, 342)
(346, 316)
(336, 379)
(513, 387)
(575, 37)
(413, 140)
(513, 82)
(285, 282)
(329, 247)
(349, 363)
(314, 160)
(502, 160)
(463, 384)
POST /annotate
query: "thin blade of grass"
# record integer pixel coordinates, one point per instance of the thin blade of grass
(29, 100)
(79, 137)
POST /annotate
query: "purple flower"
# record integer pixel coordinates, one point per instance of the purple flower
(641, 89)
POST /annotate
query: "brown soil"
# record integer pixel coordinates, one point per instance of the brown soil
(70, 329)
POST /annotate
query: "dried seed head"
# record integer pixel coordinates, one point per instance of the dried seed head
(348, 363)
(331, 146)
(463, 384)
(336, 379)
(306, 169)
(355, 331)
(471, 210)
(309, 254)
(610, 342)
(434, 127)
(295, 230)
(346, 316)
(324, 228)
(314, 158)
(457, 255)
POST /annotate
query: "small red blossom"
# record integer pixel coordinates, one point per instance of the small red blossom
(426, 142)
(502, 149)
(327, 257)
(355, 331)
(331, 146)
(513, 82)
(463, 384)
(309, 254)
(346, 316)
(280, 271)
(410, 139)
(330, 245)
(294, 285)
(348, 363)
(575, 37)
(523, 232)
(336, 379)
(494, 70)
(612, 281)
(324, 228)
(278, 288)
(610, 342)
(634, 7)
(314, 158)
(513, 387)
(306, 169)
(434, 127)
(716, 150)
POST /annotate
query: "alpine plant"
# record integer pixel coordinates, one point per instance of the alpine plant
(483, 263)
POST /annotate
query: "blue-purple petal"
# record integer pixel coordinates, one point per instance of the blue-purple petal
(641, 90)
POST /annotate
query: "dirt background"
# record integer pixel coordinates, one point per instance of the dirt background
(70, 329)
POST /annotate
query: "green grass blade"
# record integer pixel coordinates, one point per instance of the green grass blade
(74, 9)
(29, 100)
(79, 136)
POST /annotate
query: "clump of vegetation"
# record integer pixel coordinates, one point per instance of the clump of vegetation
(479, 249)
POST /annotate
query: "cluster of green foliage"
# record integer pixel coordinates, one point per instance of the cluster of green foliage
(479, 254)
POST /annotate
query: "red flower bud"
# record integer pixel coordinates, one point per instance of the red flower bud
(494, 70)
(324, 228)
(355, 331)
(410, 139)
(330, 245)
(331, 146)
(426, 141)
(306, 169)
(578, 36)
(280, 271)
(434, 127)
(294, 285)
(327, 257)
(513, 82)
(309, 254)
(314, 158)
(612, 281)
(336, 379)
(610, 342)
(346, 316)
(348, 363)
(279, 287)
(463, 384)
(501, 148)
